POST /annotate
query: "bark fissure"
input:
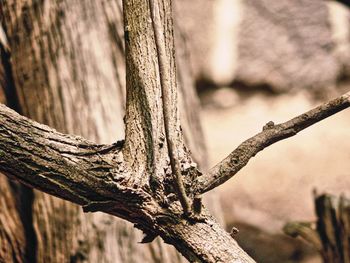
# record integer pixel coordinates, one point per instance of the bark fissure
(26, 213)
(7, 82)
(69, 75)
(24, 195)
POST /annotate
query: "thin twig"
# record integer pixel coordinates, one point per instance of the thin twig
(271, 133)
(169, 118)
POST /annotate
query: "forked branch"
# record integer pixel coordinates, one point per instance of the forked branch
(96, 177)
(93, 176)
(271, 133)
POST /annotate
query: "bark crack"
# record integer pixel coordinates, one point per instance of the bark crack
(26, 214)
(25, 194)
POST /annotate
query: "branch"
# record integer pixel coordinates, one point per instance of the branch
(271, 133)
(94, 176)
(168, 114)
(69, 167)
(203, 241)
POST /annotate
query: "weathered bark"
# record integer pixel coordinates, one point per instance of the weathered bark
(95, 177)
(50, 62)
(59, 84)
(12, 234)
(14, 247)
(100, 179)
(68, 64)
(144, 74)
(132, 180)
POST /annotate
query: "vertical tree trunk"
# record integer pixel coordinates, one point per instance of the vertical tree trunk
(12, 230)
(12, 240)
(67, 63)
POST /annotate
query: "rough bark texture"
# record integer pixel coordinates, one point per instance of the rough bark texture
(12, 234)
(132, 179)
(14, 246)
(60, 82)
(94, 176)
(145, 77)
(67, 59)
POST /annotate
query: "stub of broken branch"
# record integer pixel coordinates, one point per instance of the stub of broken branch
(271, 133)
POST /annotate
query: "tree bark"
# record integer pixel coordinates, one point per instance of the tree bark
(138, 180)
(270, 134)
(67, 59)
(96, 177)
(12, 234)
(13, 231)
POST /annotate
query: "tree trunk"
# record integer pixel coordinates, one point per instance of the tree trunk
(67, 63)
(149, 179)
(12, 229)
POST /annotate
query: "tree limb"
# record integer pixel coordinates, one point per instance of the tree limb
(198, 242)
(271, 133)
(96, 177)
(69, 167)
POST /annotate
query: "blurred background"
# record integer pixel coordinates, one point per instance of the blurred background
(257, 61)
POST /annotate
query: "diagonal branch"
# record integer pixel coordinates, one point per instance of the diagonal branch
(271, 133)
(94, 176)
(70, 167)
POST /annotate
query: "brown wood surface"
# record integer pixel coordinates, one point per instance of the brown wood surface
(67, 59)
